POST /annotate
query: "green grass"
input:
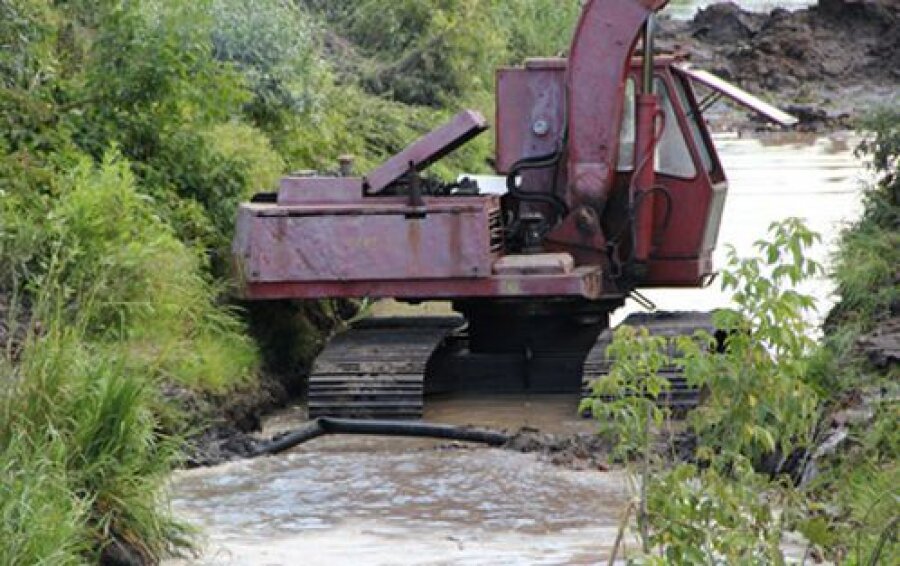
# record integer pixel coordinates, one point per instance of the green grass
(865, 268)
(858, 487)
(138, 287)
(865, 263)
(116, 306)
(82, 459)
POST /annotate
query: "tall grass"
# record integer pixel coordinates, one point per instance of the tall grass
(865, 264)
(82, 458)
(147, 292)
(116, 306)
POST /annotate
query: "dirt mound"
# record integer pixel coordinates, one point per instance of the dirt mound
(841, 54)
(881, 347)
(725, 23)
(574, 451)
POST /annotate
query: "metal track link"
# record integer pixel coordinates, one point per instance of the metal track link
(681, 397)
(376, 369)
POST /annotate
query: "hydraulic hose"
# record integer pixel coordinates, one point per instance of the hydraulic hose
(327, 425)
(540, 162)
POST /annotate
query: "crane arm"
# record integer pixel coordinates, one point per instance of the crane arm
(604, 42)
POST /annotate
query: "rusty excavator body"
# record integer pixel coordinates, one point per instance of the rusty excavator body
(612, 184)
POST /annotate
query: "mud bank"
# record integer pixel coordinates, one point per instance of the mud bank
(827, 64)
(574, 450)
(290, 335)
(221, 425)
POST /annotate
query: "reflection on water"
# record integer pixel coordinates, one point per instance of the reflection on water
(348, 500)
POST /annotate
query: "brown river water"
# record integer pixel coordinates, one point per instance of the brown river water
(351, 500)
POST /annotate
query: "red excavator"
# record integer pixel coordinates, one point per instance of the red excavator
(612, 184)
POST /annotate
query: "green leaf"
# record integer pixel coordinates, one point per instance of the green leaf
(816, 531)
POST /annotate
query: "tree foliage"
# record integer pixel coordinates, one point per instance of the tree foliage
(437, 52)
(757, 403)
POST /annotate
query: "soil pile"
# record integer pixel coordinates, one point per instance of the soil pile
(841, 56)
(572, 451)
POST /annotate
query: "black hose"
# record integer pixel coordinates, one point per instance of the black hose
(327, 425)
(538, 162)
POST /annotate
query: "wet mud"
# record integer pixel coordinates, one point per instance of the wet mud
(827, 64)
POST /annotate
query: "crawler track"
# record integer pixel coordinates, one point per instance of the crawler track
(681, 397)
(376, 369)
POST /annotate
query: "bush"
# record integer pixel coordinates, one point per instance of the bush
(82, 458)
(436, 53)
(110, 247)
(272, 43)
(865, 264)
(757, 403)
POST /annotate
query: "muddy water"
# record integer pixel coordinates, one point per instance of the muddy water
(347, 500)
(361, 500)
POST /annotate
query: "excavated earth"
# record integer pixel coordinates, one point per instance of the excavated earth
(826, 64)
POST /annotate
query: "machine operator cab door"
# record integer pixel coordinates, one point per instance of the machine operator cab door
(691, 187)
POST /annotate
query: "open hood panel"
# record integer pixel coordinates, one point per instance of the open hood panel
(742, 97)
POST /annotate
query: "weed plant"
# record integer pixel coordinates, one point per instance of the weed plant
(82, 458)
(765, 398)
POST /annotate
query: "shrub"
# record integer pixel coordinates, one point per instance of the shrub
(272, 43)
(759, 395)
(81, 455)
(758, 402)
(421, 53)
(251, 151)
(133, 282)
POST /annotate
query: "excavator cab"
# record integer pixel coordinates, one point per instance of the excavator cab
(686, 198)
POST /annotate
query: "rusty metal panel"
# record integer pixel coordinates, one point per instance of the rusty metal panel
(366, 242)
(533, 264)
(322, 190)
(583, 282)
(530, 112)
(428, 149)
